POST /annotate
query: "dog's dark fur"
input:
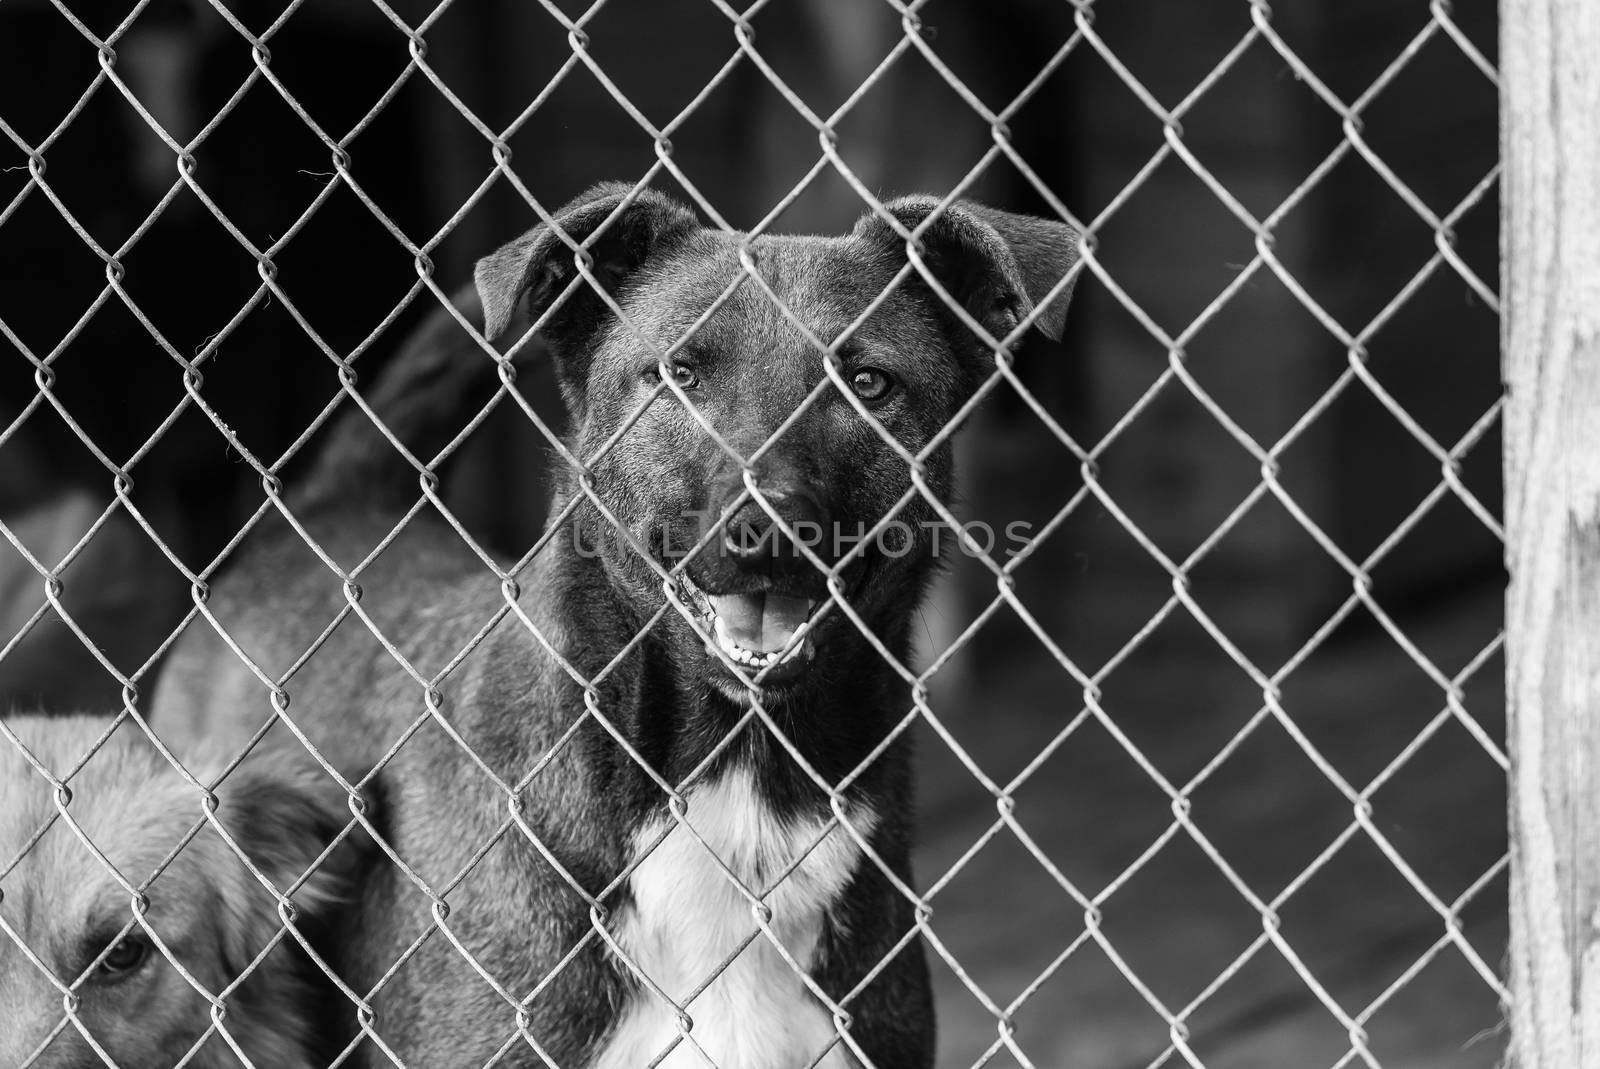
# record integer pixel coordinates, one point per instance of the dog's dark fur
(512, 703)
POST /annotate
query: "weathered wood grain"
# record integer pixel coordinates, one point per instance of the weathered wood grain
(1551, 132)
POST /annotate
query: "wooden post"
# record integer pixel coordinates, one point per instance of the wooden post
(1551, 334)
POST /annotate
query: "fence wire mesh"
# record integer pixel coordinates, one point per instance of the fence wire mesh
(1081, 971)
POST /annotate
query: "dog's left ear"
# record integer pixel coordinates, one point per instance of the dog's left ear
(998, 264)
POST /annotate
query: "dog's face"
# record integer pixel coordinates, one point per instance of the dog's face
(776, 470)
(73, 915)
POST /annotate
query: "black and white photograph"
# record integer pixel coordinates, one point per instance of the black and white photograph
(799, 534)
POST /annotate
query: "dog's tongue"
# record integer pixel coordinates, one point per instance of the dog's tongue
(761, 622)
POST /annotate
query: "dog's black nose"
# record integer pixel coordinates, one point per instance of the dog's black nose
(750, 536)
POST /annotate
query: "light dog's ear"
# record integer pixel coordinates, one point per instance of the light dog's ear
(998, 264)
(284, 811)
(540, 264)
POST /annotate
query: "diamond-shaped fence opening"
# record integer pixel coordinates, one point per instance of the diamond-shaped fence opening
(557, 672)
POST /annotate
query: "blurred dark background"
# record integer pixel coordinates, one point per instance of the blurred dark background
(1273, 703)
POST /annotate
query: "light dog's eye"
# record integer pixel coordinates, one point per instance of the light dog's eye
(124, 959)
(873, 385)
(682, 374)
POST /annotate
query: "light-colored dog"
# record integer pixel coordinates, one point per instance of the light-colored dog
(67, 923)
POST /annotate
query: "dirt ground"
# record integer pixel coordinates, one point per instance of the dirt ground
(1358, 966)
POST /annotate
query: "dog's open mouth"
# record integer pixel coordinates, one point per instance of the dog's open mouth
(762, 631)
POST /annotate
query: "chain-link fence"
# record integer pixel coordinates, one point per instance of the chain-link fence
(1203, 710)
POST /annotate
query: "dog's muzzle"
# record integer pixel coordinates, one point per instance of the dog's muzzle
(765, 632)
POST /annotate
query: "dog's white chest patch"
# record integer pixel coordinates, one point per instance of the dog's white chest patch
(687, 918)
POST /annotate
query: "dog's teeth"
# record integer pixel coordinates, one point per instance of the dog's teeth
(754, 660)
(747, 657)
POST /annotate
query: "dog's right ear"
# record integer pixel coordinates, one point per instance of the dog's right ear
(283, 810)
(541, 265)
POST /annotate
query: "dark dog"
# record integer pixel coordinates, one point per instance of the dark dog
(544, 898)
(70, 924)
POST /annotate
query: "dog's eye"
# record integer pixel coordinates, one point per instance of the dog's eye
(124, 959)
(682, 374)
(872, 384)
